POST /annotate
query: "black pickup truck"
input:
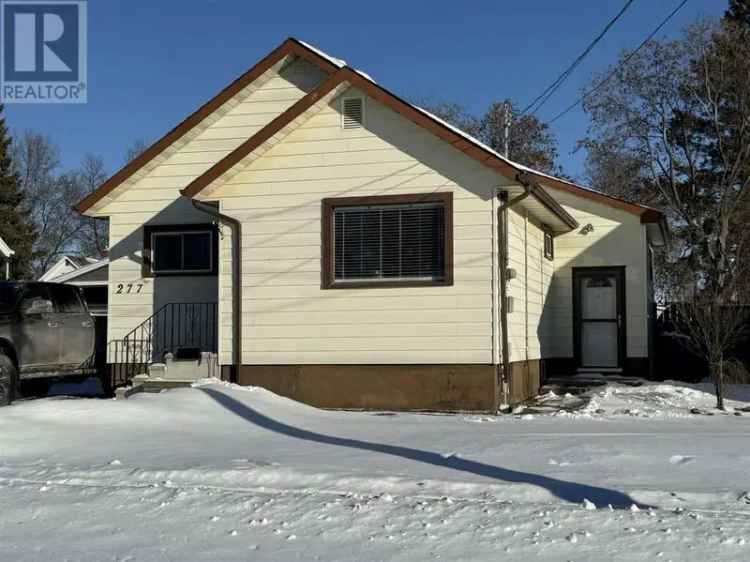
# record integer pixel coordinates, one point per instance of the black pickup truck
(46, 330)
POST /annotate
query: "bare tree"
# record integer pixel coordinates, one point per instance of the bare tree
(531, 142)
(611, 169)
(714, 325)
(675, 116)
(35, 157)
(666, 115)
(49, 196)
(136, 148)
(94, 233)
(454, 113)
(57, 224)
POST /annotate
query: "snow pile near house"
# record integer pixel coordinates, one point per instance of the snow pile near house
(670, 399)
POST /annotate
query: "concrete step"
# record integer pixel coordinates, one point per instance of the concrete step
(146, 384)
(174, 369)
(593, 379)
(157, 386)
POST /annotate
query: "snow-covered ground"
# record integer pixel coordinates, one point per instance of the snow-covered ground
(219, 472)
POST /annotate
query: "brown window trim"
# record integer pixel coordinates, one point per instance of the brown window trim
(328, 204)
(148, 230)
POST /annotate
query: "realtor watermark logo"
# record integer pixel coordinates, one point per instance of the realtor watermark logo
(43, 51)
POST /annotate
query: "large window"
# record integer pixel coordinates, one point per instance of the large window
(401, 240)
(180, 250)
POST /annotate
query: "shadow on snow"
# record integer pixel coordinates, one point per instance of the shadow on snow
(568, 491)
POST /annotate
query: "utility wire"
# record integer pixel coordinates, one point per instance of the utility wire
(623, 63)
(542, 98)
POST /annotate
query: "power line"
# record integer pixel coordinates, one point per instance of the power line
(570, 70)
(623, 63)
(547, 93)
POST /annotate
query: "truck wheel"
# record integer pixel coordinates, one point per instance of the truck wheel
(32, 388)
(7, 380)
(105, 378)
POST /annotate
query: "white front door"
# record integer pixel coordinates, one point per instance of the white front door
(598, 322)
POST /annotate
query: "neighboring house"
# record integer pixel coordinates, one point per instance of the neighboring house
(65, 264)
(92, 279)
(338, 245)
(88, 273)
(6, 252)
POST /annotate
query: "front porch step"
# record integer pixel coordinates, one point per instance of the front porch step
(181, 370)
(156, 386)
(142, 383)
(582, 382)
(594, 379)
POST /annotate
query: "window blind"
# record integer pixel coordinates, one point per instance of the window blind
(389, 242)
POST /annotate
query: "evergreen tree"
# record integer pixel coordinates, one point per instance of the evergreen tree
(15, 224)
(738, 12)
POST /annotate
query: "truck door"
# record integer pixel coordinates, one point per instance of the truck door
(39, 342)
(76, 326)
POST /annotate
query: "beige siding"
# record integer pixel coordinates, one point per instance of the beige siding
(287, 317)
(529, 288)
(226, 343)
(153, 198)
(618, 239)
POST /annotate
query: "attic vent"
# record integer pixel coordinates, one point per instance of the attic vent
(353, 113)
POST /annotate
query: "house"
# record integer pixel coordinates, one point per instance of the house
(6, 253)
(66, 264)
(334, 243)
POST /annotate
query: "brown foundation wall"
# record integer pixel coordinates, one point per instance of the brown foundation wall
(525, 380)
(381, 387)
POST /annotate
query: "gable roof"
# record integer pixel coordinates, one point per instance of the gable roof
(289, 47)
(647, 214)
(65, 265)
(6, 250)
(339, 73)
(85, 270)
(458, 138)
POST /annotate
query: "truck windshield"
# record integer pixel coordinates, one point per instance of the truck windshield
(9, 293)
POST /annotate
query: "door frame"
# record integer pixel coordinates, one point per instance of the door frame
(619, 272)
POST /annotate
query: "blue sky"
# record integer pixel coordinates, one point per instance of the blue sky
(152, 63)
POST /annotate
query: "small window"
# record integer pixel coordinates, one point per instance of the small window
(183, 251)
(549, 246)
(599, 281)
(174, 250)
(388, 241)
(352, 113)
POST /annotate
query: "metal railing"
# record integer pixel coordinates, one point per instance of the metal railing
(173, 326)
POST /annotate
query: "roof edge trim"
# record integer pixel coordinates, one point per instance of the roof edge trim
(290, 46)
